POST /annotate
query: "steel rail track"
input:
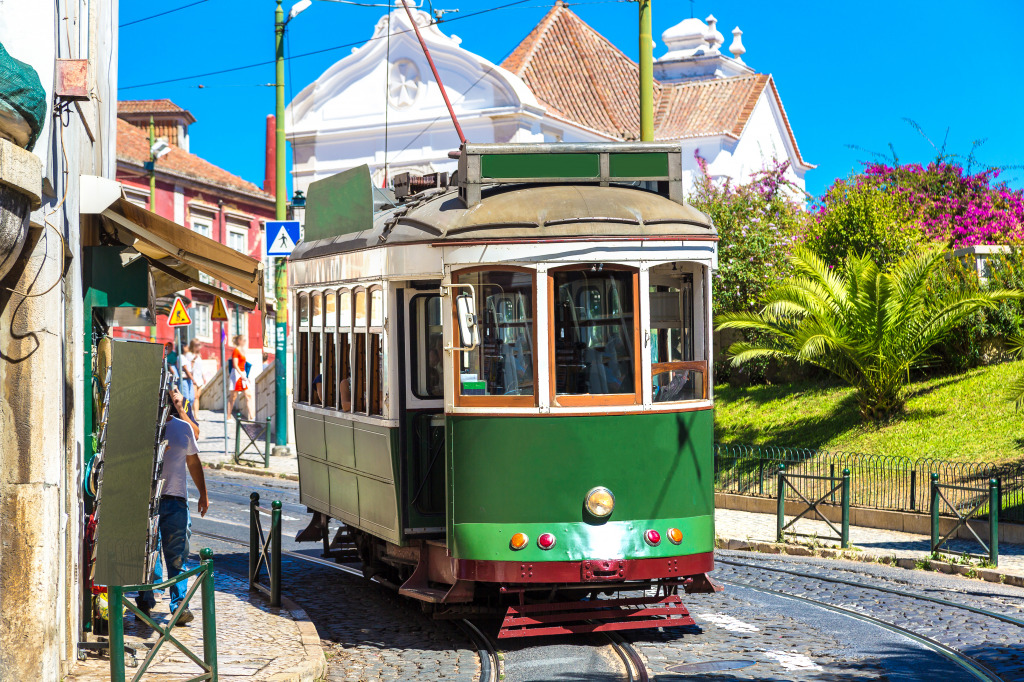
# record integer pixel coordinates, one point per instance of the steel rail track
(490, 666)
(970, 665)
(852, 583)
(630, 657)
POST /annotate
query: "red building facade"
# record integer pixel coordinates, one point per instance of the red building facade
(207, 199)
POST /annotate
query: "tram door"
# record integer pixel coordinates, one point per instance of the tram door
(423, 413)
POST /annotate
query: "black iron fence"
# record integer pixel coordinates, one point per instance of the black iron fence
(876, 481)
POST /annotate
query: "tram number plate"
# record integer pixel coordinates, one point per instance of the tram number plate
(600, 570)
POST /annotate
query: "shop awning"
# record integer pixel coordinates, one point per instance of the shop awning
(176, 255)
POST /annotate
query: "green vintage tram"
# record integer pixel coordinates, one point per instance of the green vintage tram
(503, 387)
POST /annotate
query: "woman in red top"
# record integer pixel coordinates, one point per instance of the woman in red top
(239, 380)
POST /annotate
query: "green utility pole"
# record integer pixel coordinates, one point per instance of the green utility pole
(152, 190)
(280, 276)
(646, 74)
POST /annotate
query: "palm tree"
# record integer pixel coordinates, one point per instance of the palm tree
(867, 326)
(1015, 391)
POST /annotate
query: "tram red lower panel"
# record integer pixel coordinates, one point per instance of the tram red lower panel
(587, 571)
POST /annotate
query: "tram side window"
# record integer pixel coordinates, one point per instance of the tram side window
(318, 370)
(345, 376)
(427, 347)
(594, 331)
(303, 349)
(330, 367)
(502, 364)
(359, 374)
(376, 377)
(676, 375)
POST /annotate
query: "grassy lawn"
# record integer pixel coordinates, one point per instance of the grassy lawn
(963, 417)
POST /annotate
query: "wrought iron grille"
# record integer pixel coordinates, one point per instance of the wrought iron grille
(878, 481)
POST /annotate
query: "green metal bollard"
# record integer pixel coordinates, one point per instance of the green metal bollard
(780, 517)
(275, 553)
(254, 538)
(115, 625)
(993, 521)
(209, 613)
(845, 497)
(935, 512)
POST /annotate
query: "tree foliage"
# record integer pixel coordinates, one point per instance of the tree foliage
(868, 326)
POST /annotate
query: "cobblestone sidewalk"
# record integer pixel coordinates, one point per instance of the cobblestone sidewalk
(254, 642)
(212, 449)
(734, 524)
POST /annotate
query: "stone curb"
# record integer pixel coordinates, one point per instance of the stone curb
(315, 665)
(986, 574)
(249, 470)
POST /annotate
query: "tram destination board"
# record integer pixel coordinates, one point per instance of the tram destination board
(122, 528)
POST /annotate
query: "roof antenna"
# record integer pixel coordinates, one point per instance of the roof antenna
(691, 9)
(437, 76)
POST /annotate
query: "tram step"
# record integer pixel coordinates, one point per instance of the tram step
(598, 615)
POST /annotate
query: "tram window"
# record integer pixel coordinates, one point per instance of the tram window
(345, 374)
(377, 308)
(303, 310)
(360, 307)
(317, 317)
(427, 347)
(359, 373)
(318, 370)
(303, 367)
(502, 364)
(330, 310)
(330, 388)
(676, 375)
(594, 331)
(344, 308)
(376, 386)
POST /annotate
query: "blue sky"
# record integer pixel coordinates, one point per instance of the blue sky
(848, 73)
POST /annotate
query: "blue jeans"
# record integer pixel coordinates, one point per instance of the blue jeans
(175, 530)
(188, 390)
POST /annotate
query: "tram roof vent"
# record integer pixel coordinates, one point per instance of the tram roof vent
(652, 165)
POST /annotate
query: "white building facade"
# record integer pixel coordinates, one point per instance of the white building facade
(380, 105)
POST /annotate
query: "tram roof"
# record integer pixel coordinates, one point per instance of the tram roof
(521, 212)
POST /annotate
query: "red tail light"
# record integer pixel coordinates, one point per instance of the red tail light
(652, 537)
(546, 541)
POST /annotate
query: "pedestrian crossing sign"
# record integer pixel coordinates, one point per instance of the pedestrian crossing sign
(179, 316)
(219, 314)
(282, 236)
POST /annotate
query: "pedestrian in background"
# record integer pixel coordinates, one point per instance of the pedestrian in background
(180, 456)
(171, 360)
(239, 378)
(187, 380)
(198, 369)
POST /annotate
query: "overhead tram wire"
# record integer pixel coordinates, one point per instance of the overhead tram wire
(359, 43)
(161, 14)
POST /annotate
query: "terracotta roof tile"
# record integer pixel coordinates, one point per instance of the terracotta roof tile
(578, 75)
(133, 148)
(152, 106)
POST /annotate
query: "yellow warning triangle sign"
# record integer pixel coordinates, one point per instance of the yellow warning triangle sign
(179, 316)
(219, 314)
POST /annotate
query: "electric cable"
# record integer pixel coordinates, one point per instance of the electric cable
(322, 50)
(161, 14)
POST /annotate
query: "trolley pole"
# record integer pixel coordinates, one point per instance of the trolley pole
(646, 73)
(280, 274)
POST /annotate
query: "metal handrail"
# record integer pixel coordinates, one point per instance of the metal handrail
(116, 597)
(239, 450)
(265, 551)
(837, 483)
(991, 550)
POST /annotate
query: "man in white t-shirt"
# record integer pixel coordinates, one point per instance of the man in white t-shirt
(181, 455)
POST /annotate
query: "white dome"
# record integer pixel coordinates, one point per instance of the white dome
(686, 38)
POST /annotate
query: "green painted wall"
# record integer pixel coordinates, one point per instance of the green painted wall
(511, 471)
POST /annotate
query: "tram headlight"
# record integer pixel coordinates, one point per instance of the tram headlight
(600, 502)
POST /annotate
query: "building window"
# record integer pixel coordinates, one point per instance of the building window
(270, 332)
(238, 239)
(201, 321)
(500, 370)
(203, 227)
